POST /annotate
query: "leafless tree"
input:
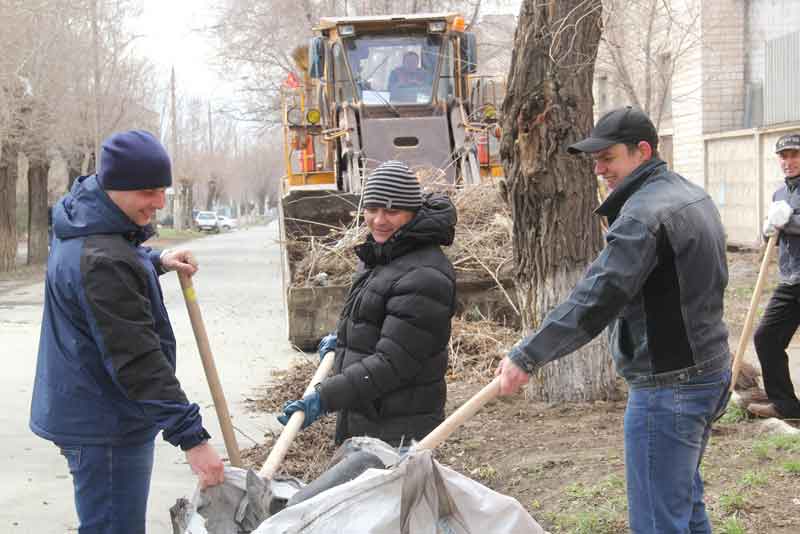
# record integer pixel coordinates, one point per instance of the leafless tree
(644, 44)
(552, 195)
(53, 102)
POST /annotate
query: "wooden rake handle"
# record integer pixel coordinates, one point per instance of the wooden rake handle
(747, 329)
(460, 416)
(292, 428)
(200, 335)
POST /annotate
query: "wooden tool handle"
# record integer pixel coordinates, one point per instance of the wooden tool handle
(747, 329)
(460, 416)
(200, 335)
(290, 431)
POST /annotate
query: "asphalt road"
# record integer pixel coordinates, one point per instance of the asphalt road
(239, 291)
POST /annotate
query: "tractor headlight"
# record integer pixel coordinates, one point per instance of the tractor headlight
(438, 26)
(313, 116)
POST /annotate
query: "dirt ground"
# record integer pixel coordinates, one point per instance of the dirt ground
(565, 464)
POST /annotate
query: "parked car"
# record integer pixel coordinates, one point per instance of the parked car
(207, 221)
(227, 223)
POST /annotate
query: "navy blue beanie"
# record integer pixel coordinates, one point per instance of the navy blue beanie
(134, 160)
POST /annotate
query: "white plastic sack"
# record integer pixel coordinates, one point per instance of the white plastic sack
(419, 496)
(223, 509)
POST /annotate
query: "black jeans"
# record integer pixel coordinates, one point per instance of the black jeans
(779, 324)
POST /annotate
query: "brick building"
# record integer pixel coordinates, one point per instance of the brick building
(732, 81)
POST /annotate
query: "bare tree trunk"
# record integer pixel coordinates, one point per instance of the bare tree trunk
(551, 193)
(189, 204)
(9, 152)
(648, 81)
(261, 196)
(475, 12)
(177, 214)
(96, 113)
(37, 210)
(213, 193)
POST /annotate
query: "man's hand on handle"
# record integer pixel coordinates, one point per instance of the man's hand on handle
(206, 464)
(512, 377)
(180, 260)
(778, 215)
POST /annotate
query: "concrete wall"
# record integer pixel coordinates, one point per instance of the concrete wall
(732, 182)
(742, 173)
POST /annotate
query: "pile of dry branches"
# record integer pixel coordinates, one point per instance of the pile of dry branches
(483, 232)
(313, 447)
(482, 244)
(330, 260)
(476, 347)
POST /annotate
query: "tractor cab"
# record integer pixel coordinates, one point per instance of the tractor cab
(389, 69)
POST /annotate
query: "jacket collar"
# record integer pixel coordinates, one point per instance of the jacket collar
(373, 253)
(792, 182)
(88, 210)
(613, 203)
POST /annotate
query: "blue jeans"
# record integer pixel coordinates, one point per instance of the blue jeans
(666, 432)
(111, 486)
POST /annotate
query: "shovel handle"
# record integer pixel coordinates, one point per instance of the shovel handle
(292, 428)
(214, 384)
(460, 416)
(747, 329)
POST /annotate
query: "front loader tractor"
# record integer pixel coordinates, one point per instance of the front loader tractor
(373, 89)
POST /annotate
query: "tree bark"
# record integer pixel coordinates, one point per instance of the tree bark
(9, 152)
(37, 210)
(552, 194)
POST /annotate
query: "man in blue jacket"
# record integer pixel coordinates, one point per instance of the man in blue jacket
(659, 284)
(105, 377)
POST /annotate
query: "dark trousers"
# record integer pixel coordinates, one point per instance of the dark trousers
(779, 324)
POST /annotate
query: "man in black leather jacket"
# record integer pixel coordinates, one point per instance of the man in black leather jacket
(659, 283)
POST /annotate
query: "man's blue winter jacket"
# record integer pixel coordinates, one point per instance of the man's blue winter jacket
(106, 366)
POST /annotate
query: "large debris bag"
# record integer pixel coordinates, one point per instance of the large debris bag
(418, 496)
(236, 506)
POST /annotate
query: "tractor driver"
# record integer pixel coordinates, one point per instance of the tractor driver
(408, 75)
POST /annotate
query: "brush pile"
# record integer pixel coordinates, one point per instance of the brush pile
(313, 448)
(476, 348)
(482, 245)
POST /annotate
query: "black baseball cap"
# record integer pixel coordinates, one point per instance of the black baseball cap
(627, 125)
(788, 142)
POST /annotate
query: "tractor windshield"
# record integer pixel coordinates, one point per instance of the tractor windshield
(397, 69)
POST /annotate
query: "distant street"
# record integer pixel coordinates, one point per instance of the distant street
(239, 290)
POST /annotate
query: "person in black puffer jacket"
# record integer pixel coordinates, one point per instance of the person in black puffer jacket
(393, 333)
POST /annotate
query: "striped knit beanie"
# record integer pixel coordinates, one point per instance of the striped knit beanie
(393, 186)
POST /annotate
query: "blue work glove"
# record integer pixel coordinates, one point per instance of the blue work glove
(327, 344)
(311, 404)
